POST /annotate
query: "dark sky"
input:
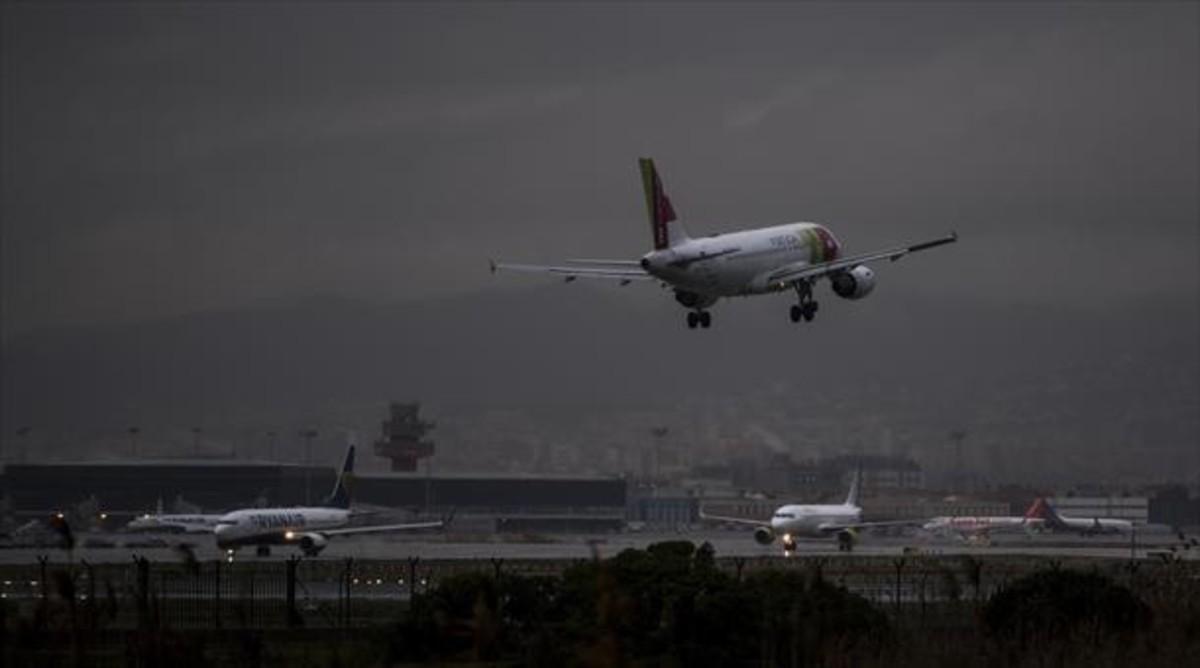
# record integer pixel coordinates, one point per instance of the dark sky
(162, 159)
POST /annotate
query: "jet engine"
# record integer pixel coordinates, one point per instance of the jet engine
(855, 283)
(764, 536)
(693, 300)
(313, 543)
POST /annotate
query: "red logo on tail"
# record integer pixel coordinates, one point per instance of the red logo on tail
(1038, 510)
(663, 214)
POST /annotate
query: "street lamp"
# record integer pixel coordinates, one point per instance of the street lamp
(133, 433)
(196, 431)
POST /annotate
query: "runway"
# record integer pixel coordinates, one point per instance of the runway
(457, 547)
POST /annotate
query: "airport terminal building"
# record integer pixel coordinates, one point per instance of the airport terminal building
(126, 489)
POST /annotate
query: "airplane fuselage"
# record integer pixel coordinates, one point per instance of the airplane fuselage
(740, 263)
(813, 520)
(180, 523)
(267, 526)
(1092, 525)
(967, 524)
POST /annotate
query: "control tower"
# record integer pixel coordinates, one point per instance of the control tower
(401, 440)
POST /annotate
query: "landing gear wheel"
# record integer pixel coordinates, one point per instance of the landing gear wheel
(807, 308)
(693, 319)
(705, 319)
(263, 550)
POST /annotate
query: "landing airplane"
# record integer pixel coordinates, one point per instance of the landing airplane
(1081, 525)
(309, 528)
(749, 262)
(841, 520)
(979, 528)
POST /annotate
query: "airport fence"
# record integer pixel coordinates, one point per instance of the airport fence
(347, 593)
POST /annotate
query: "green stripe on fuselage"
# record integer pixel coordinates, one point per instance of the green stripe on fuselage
(816, 249)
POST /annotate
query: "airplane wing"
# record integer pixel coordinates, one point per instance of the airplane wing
(625, 271)
(733, 520)
(383, 528)
(803, 270)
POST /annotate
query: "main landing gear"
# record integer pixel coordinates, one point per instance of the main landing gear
(807, 308)
(701, 318)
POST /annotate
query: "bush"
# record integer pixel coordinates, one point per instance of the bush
(1061, 606)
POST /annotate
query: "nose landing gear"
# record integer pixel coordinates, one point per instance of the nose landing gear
(700, 318)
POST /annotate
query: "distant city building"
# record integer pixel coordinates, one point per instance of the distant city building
(881, 473)
(664, 507)
(1133, 508)
(821, 479)
(892, 508)
(1175, 506)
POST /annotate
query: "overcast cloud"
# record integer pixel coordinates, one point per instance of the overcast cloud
(163, 159)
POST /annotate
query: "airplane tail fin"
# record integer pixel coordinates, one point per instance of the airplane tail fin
(855, 487)
(664, 226)
(340, 496)
(1041, 509)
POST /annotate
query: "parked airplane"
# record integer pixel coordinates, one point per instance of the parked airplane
(789, 522)
(309, 528)
(1055, 521)
(981, 527)
(750, 262)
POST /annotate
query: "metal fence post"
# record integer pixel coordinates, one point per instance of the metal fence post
(349, 581)
(217, 594)
(142, 591)
(412, 578)
(293, 616)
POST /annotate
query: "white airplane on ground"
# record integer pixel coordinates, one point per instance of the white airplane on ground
(309, 528)
(750, 262)
(981, 527)
(1083, 525)
(158, 521)
(791, 521)
(191, 523)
